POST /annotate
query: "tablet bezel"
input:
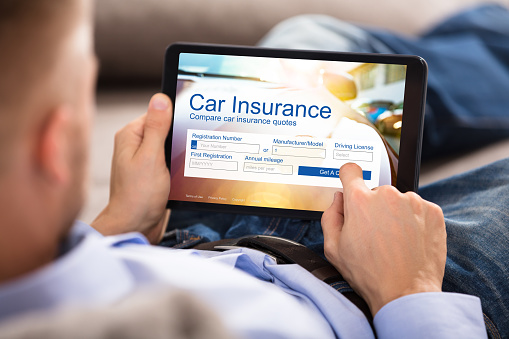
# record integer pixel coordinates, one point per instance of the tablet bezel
(412, 124)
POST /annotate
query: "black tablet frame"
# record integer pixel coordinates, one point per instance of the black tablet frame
(412, 124)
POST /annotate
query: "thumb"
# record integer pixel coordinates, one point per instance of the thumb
(333, 219)
(157, 123)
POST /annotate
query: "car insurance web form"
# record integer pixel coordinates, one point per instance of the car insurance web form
(289, 158)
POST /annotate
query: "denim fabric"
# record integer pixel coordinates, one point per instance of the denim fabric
(207, 226)
(189, 228)
(476, 210)
(320, 32)
(467, 56)
(468, 60)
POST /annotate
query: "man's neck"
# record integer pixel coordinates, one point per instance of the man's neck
(16, 260)
(27, 242)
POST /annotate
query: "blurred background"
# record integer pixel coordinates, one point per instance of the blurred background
(131, 37)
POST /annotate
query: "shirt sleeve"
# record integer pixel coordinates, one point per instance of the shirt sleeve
(431, 315)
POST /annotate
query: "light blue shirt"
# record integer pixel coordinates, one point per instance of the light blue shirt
(283, 300)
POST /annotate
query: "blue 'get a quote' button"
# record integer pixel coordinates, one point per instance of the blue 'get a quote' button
(326, 172)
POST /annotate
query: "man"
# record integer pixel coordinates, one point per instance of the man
(46, 110)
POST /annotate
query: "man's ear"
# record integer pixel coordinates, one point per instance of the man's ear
(52, 150)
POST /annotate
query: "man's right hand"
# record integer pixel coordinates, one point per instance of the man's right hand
(140, 180)
(386, 244)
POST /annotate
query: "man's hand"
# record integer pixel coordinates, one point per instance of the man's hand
(140, 180)
(386, 244)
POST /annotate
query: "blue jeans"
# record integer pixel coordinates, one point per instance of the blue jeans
(468, 60)
(475, 204)
(476, 210)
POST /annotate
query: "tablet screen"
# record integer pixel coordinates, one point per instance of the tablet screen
(274, 132)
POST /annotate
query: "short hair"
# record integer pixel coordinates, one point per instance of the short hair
(31, 32)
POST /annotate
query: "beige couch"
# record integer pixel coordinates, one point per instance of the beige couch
(131, 36)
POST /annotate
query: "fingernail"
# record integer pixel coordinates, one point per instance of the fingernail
(159, 103)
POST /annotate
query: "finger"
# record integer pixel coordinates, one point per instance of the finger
(124, 138)
(338, 202)
(157, 123)
(351, 177)
(333, 218)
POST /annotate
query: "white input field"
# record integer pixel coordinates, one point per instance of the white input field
(214, 164)
(268, 168)
(353, 155)
(307, 152)
(227, 147)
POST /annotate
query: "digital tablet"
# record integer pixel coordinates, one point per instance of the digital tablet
(265, 131)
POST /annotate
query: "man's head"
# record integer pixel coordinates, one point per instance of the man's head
(47, 85)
